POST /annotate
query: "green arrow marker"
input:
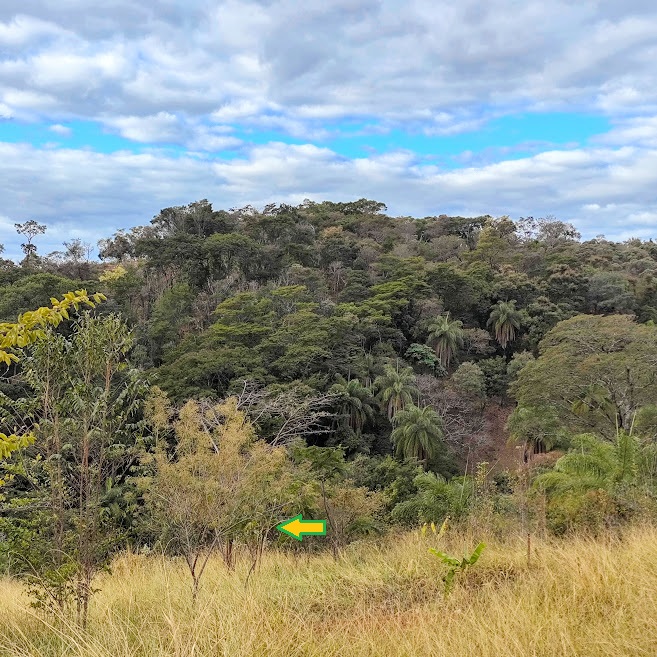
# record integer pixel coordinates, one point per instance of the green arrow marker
(297, 527)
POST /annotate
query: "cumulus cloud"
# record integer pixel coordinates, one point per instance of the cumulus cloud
(162, 127)
(640, 131)
(602, 190)
(207, 76)
(61, 130)
(426, 60)
(168, 128)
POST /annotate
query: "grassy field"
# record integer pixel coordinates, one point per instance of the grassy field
(576, 597)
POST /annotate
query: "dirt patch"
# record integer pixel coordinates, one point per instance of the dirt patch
(491, 444)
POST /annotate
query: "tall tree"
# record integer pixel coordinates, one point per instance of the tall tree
(29, 229)
(505, 319)
(396, 389)
(355, 402)
(418, 433)
(594, 374)
(447, 337)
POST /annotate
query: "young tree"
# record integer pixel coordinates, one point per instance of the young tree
(597, 480)
(221, 485)
(31, 327)
(84, 410)
(350, 510)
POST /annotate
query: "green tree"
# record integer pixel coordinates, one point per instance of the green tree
(596, 480)
(83, 407)
(447, 338)
(396, 389)
(29, 229)
(418, 433)
(505, 320)
(35, 289)
(470, 380)
(435, 499)
(31, 327)
(593, 374)
(355, 403)
(425, 358)
(169, 318)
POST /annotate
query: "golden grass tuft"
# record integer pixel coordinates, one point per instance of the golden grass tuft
(579, 596)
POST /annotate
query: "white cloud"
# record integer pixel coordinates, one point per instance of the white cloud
(165, 127)
(162, 127)
(200, 75)
(22, 30)
(602, 190)
(61, 130)
(640, 131)
(421, 61)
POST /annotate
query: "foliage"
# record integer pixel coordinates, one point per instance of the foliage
(447, 337)
(30, 327)
(356, 403)
(396, 389)
(418, 433)
(83, 408)
(455, 565)
(346, 337)
(470, 380)
(425, 358)
(435, 500)
(505, 320)
(593, 374)
(221, 484)
(597, 482)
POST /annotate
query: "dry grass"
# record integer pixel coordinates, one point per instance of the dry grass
(578, 597)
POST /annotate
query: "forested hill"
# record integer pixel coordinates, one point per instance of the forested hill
(326, 298)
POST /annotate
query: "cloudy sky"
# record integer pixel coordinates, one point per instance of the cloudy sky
(111, 110)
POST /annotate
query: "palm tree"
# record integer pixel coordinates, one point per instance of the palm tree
(396, 389)
(370, 368)
(355, 401)
(594, 464)
(505, 319)
(418, 433)
(447, 338)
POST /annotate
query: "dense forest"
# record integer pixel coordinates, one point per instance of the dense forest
(381, 372)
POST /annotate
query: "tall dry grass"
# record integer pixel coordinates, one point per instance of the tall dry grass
(576, 597)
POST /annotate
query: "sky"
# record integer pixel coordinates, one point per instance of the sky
(112, 110)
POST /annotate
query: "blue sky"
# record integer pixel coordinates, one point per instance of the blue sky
(112, 110)
(515, 135)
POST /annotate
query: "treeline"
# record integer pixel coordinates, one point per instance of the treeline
(344, 362)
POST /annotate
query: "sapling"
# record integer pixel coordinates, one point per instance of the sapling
(457, 565)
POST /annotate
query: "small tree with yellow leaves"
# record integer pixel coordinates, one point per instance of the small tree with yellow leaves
(31, 327)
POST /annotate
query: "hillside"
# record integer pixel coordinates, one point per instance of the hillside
(372, 373)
